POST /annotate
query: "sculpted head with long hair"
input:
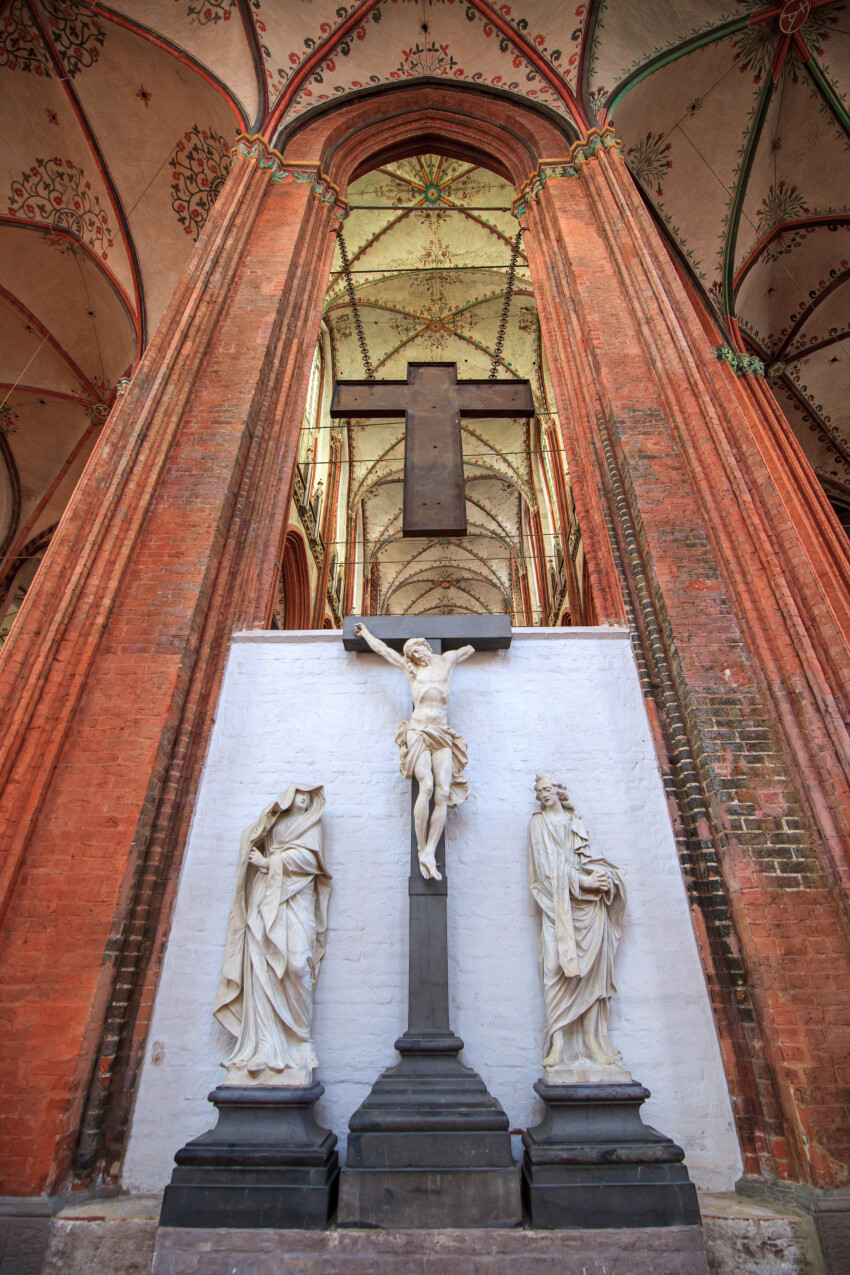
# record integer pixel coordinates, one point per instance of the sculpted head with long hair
(550, 794)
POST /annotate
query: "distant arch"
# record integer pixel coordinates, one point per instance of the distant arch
(295, 582)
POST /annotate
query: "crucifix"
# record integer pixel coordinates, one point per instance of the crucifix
(429, 1146)
(433, 402)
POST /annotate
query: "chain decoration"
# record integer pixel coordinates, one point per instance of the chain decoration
(503, 322)
(355, 309)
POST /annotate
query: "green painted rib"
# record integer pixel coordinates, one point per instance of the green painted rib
(690, 45)
(823, 85)
(740, 194)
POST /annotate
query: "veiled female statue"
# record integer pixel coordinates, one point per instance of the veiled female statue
(275, 942)
(582, 899)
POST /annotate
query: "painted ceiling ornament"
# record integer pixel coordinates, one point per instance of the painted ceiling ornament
(427, 59)
(77, 35)
(649, 160)
(199, 166)
(794, 14)
(55, 192)
(21, 48)
(754, 49)
(203, 12)
(781, 207)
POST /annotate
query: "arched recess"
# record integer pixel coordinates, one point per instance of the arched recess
(295, 584)
(347, 140)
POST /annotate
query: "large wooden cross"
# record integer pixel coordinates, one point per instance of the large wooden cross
(433, 402)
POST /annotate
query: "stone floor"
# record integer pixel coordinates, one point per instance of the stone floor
(741, 1237)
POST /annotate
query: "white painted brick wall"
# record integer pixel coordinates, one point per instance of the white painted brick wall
(296, 707)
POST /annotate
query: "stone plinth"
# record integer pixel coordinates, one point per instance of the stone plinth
(267, 1163)
(593, 1163)
(429, 1147)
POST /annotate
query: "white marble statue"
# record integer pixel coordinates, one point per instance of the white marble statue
(427, 746)
(275, 943)
(582, 899)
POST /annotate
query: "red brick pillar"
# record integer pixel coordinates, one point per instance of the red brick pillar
(735, 576)
(110, 677)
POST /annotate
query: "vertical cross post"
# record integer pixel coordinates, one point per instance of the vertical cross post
(428, 950)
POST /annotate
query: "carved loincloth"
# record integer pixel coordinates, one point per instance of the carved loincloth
(413, 741)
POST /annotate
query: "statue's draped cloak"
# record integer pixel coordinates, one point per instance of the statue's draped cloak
(580, 932)
(276, 938)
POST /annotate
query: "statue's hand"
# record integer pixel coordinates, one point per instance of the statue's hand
(597, 879)
(259, 860)
(358, 630)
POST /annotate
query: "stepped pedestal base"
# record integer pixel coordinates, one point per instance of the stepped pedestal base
(267, 1163)
(593, 1163)
(429, 1147)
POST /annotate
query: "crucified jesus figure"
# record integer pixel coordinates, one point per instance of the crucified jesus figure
(428, 747)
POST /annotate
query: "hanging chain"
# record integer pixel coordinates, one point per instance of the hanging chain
(503, 322)
(355, 309)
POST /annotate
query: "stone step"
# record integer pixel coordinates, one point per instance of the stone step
(663, 1251)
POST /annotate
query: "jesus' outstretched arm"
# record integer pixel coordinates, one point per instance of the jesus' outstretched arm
(461, 654)
(379, 647)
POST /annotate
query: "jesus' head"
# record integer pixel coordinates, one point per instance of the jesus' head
(417, 651)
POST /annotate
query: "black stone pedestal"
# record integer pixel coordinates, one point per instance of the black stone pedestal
(429, 1147)
(267, 1163)
(592, 1162)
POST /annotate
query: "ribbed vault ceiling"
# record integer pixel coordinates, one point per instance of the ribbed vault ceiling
(429, 241)
(119, 118)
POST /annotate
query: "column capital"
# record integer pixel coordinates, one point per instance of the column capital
(255, 149)
(591, 146)
(739, 362)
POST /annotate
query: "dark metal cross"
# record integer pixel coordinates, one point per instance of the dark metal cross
(433, 402)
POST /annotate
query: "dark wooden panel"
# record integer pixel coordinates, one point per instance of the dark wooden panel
(433, 402)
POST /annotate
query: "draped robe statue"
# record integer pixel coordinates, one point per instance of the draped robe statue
(275, 943)
(582, 899)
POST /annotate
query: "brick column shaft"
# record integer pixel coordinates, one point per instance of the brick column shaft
(111, 676)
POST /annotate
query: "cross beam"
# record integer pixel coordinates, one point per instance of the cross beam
(433, 402)
(484, 632)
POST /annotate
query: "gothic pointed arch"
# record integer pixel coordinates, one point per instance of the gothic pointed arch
(295, 584)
